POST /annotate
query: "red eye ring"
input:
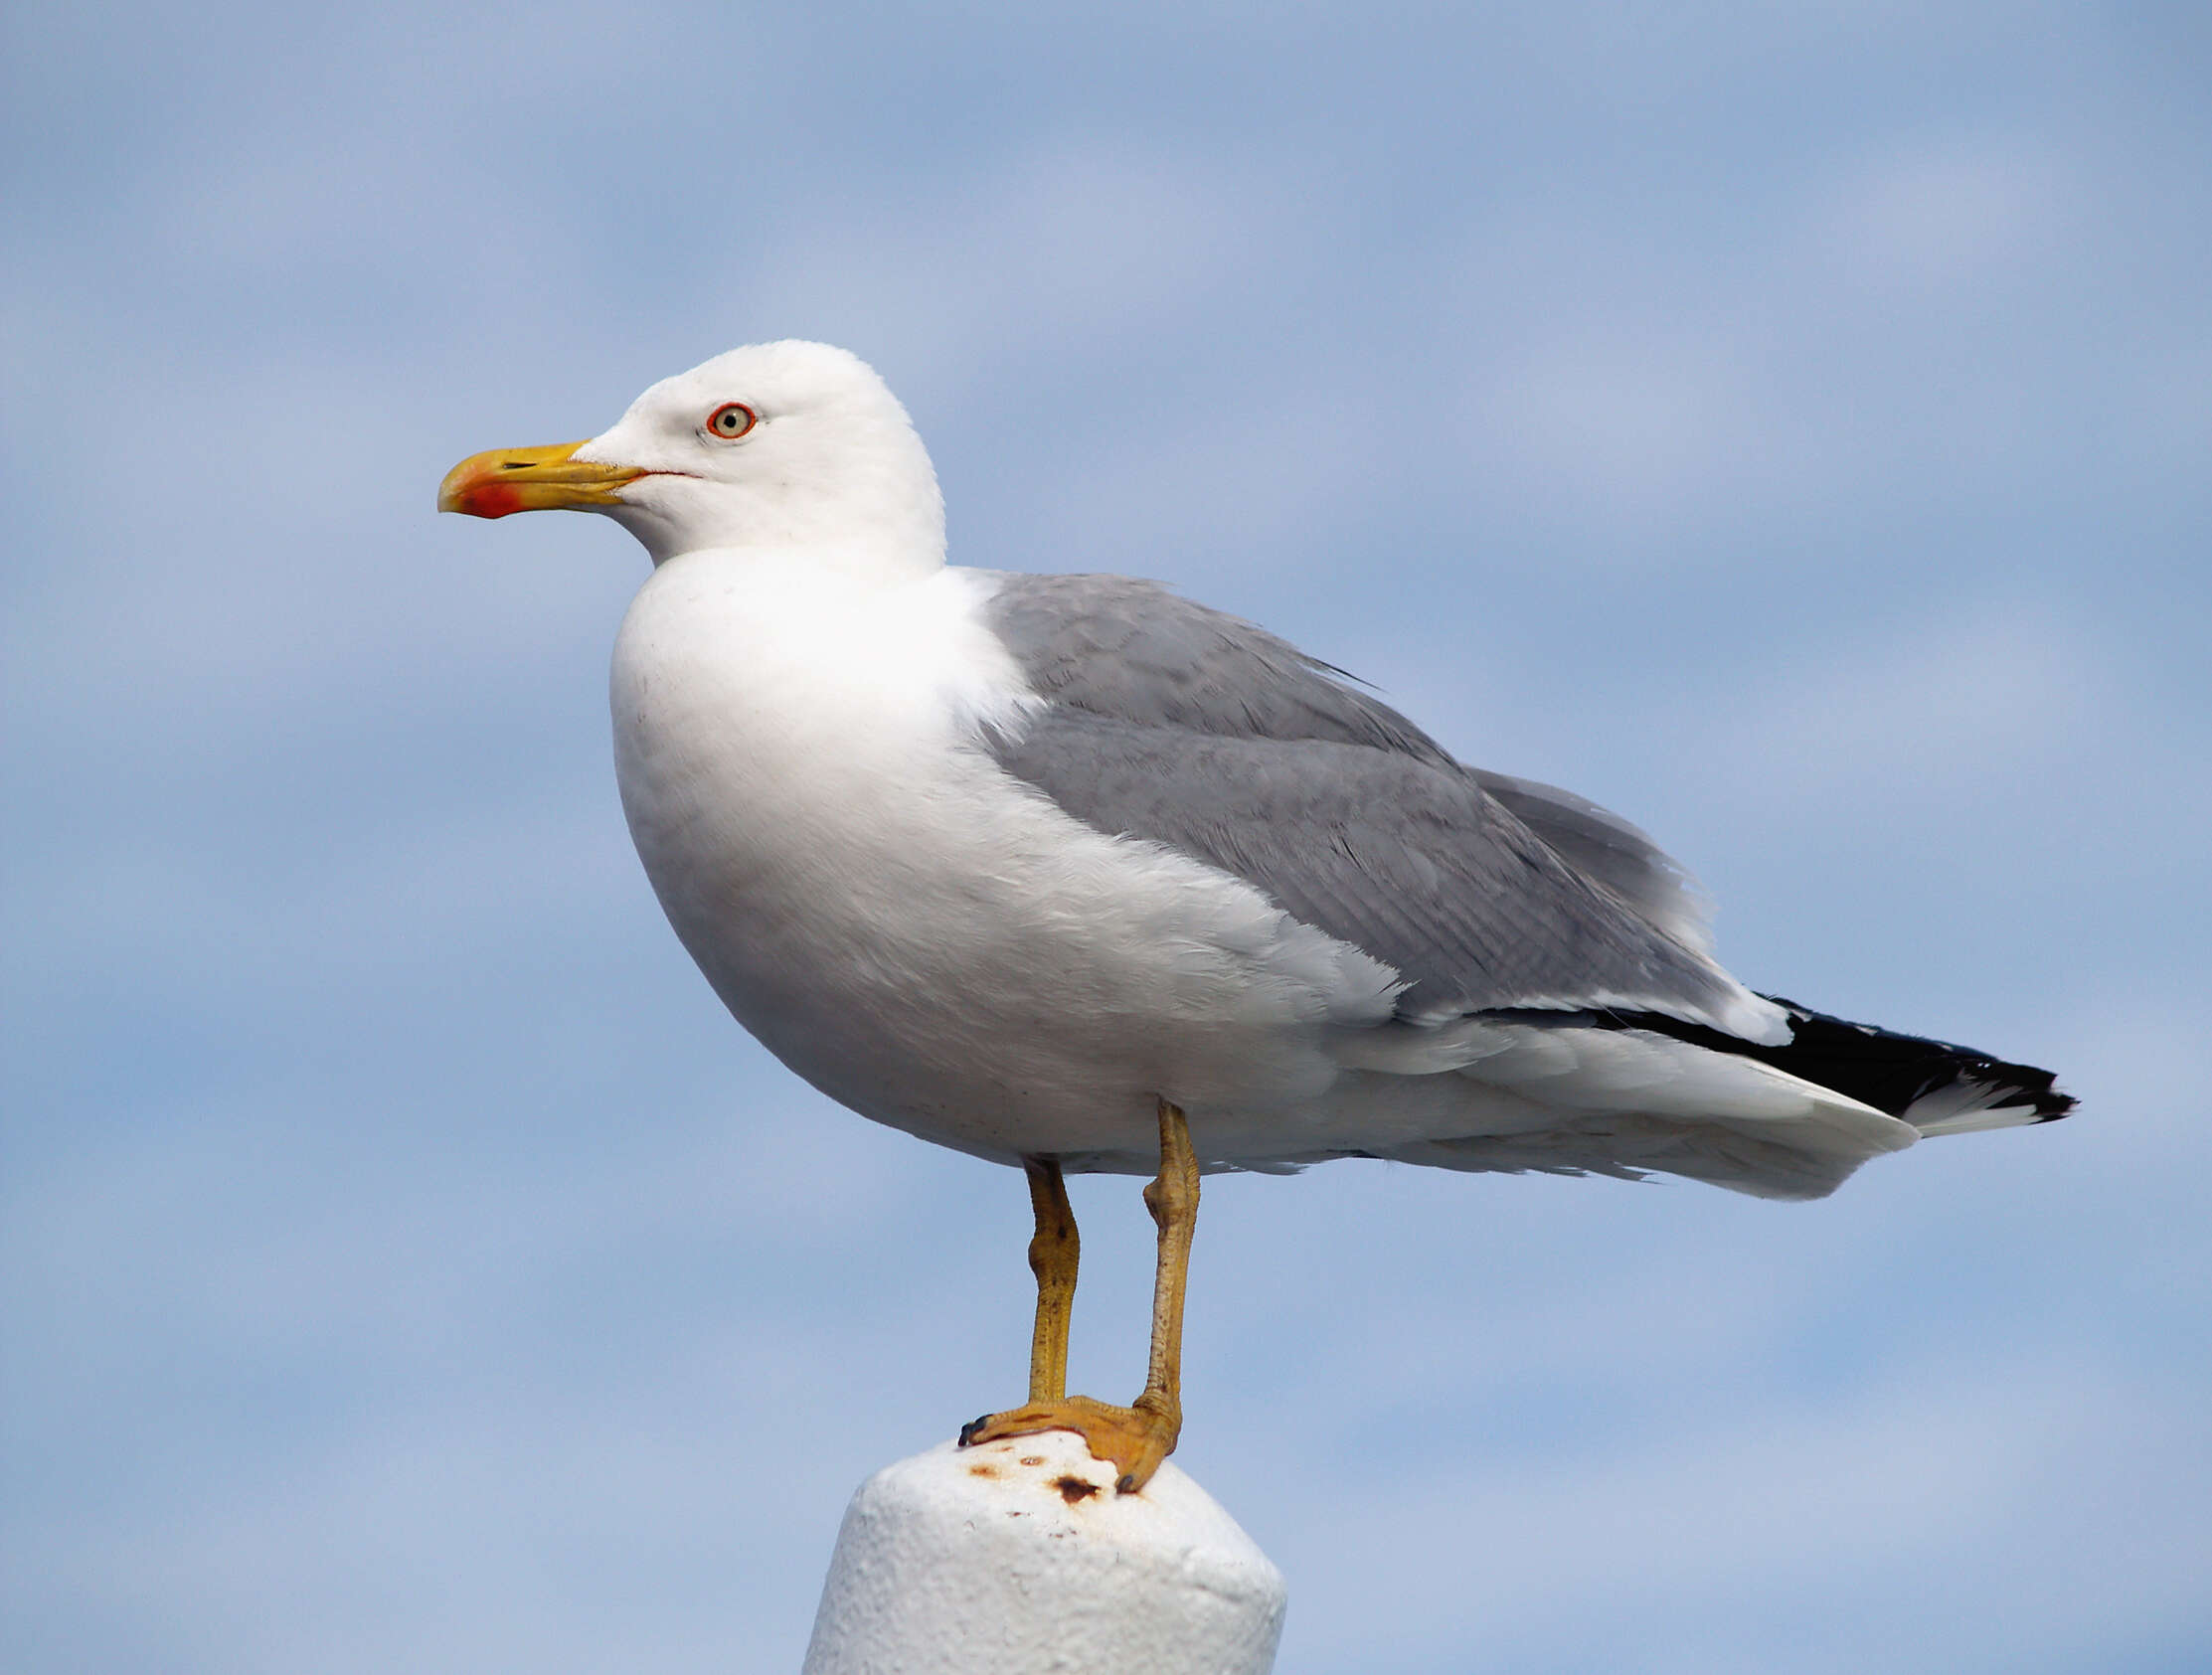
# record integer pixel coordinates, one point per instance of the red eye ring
(731, 421)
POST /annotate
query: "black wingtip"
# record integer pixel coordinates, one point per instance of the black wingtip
(1889, 1070)
(1884, 1069)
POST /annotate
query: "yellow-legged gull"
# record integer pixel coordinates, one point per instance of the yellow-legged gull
(1067, 872)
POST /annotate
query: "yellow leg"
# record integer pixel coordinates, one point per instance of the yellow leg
(1173, 1200)
(1053, 1257)
(1137, 1438)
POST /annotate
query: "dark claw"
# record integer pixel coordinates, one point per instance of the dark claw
(969, 1430)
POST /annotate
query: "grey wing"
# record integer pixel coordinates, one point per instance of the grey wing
(1169, 722)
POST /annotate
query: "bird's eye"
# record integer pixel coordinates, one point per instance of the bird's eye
(732, 419)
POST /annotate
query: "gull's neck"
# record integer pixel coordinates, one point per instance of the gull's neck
(848, 567)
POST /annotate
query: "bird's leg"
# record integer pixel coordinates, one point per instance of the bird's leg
(1137, 1438)
(1054, 1252)
(1173, 1198)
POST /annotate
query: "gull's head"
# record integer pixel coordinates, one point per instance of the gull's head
(793, 445)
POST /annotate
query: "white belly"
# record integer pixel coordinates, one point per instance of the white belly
(915, 933)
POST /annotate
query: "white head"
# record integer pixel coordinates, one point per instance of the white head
(789, 445)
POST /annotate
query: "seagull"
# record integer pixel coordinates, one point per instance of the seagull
(1071, 873)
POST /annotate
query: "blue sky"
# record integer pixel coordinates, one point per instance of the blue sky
(1787, 425)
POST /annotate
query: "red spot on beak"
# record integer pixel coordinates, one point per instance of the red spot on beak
(488, 497)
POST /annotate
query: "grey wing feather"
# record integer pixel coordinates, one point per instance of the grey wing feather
(1170, 721)
(1600, 845)
(1111, 645)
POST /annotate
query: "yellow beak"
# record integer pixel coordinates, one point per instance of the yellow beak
(490, 485)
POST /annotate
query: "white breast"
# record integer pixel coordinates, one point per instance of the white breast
(921, 937)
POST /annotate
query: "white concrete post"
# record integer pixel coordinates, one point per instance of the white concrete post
(1017, 1558)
